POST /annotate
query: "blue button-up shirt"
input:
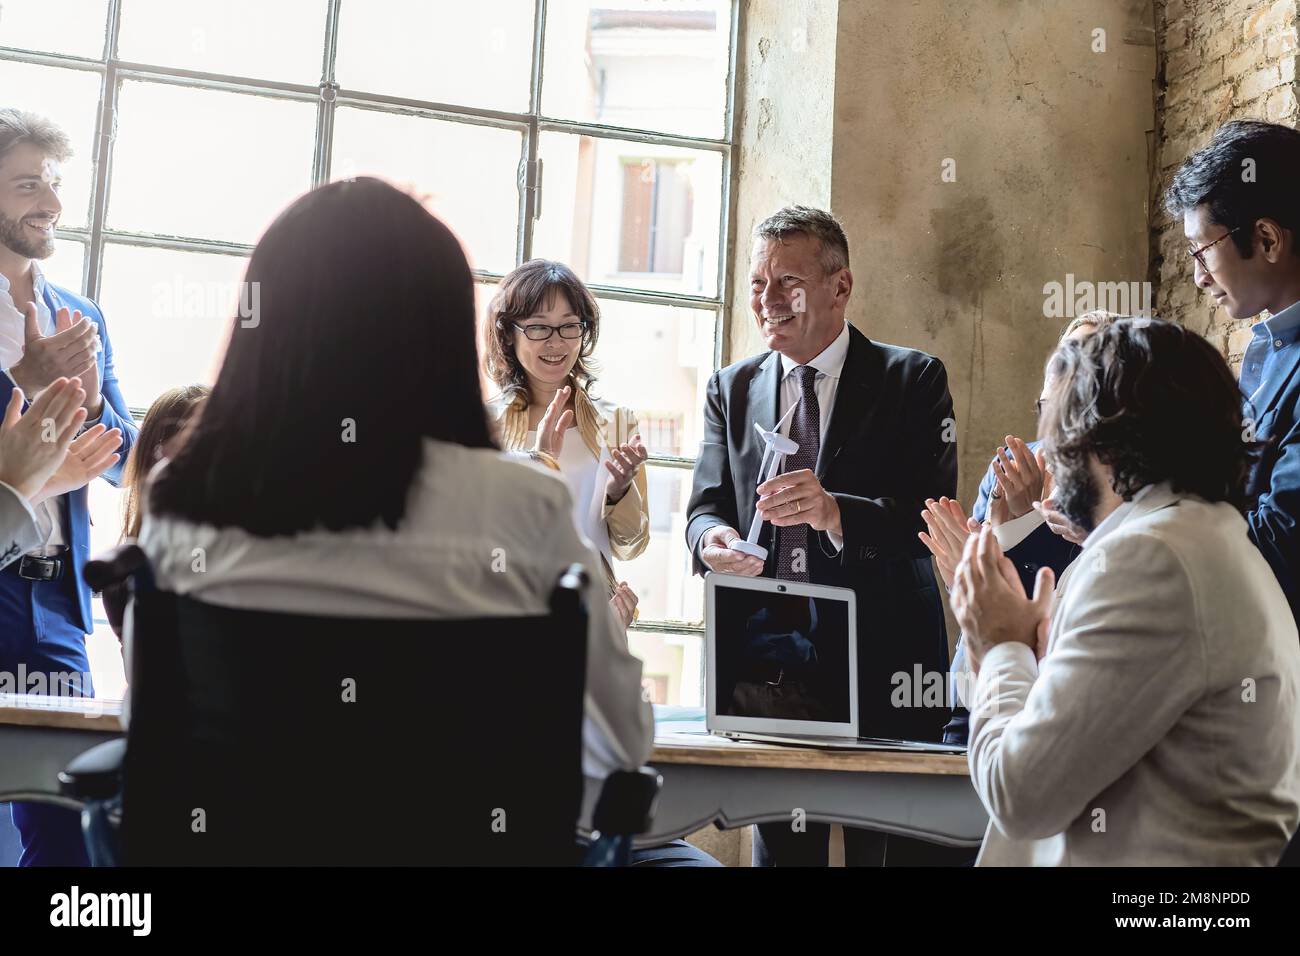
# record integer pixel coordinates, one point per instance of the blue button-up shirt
(1268, 339)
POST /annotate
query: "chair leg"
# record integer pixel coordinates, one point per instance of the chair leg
(100, 832)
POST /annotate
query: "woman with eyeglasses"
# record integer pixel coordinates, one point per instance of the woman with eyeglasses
(542, 328)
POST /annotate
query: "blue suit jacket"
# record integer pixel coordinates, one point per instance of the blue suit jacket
(1275, 480)
(114, 415)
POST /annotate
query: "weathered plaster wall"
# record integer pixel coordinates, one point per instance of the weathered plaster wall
(1050, 144)
(785, 106)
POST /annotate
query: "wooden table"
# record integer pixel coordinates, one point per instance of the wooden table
(706, 779)
(40, 735)
(736, 783)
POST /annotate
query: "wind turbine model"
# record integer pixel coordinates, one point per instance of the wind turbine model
(776, 448)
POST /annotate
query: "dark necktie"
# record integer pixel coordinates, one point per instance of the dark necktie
(805, 430)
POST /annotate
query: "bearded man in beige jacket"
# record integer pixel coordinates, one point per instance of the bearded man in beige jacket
(1146, 713)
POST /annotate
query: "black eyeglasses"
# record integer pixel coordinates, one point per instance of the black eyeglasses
(1199, 254)
(540, 333)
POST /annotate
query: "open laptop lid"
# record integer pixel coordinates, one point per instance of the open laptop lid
(782, 657)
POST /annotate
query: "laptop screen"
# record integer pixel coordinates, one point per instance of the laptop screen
(781, 656)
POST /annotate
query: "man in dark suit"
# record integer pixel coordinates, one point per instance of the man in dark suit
(874, 425)
(1239, 198)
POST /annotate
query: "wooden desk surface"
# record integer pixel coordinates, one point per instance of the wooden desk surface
(105, 716)
(68, 713)
(707, 750)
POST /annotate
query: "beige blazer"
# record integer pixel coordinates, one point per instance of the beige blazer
(1161, 727)
(601, 424)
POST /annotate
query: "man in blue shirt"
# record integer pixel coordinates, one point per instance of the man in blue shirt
(47, 333)
(1239, 199)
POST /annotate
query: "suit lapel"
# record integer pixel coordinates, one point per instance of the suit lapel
(764, 391)
(764, 395)
(1284, 372)
(848, 417)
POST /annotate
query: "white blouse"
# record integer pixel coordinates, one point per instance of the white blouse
(469, 511)
(585, 477)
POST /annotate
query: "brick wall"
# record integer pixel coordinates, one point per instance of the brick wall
(1218, 60)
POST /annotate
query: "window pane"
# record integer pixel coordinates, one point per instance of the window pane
(284, 40)
(657, 360)
(661, 576)
(71, 99)
(65, 266)
(466, 174)
(672, 667)
(639, 64)
(102, 647)
(106, 504)
(444, 51)
(221, 166)
(483, 293)
(75, 27)
(168, 316)
(631, 214)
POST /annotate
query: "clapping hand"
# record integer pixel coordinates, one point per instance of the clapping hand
(1019, 481)
(68, 353)
(949, 528)
(89, 456)
(623, 603)
(556, 420)
(34, 445)
(989, 601)
(623, 464)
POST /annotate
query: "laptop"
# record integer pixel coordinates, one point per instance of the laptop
(782, 665)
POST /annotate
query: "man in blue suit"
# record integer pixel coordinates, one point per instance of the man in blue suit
(1239, 199)
(46, 333)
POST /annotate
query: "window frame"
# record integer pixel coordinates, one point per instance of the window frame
(328, 95)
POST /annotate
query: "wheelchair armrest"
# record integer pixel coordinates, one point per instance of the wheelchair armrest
(95, 774)
(114, 567)
(627, 802)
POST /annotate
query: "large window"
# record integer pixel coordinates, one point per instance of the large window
(597, 132)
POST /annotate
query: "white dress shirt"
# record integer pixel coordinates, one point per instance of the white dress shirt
(829, 365)
(18, 530)
(484, 535)
(583, 473)
(13, 339)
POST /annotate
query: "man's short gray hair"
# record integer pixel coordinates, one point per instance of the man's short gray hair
(18, 126)
(833, 245)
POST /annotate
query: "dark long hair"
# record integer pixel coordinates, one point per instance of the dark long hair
(1155, 402)
(359, 345)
